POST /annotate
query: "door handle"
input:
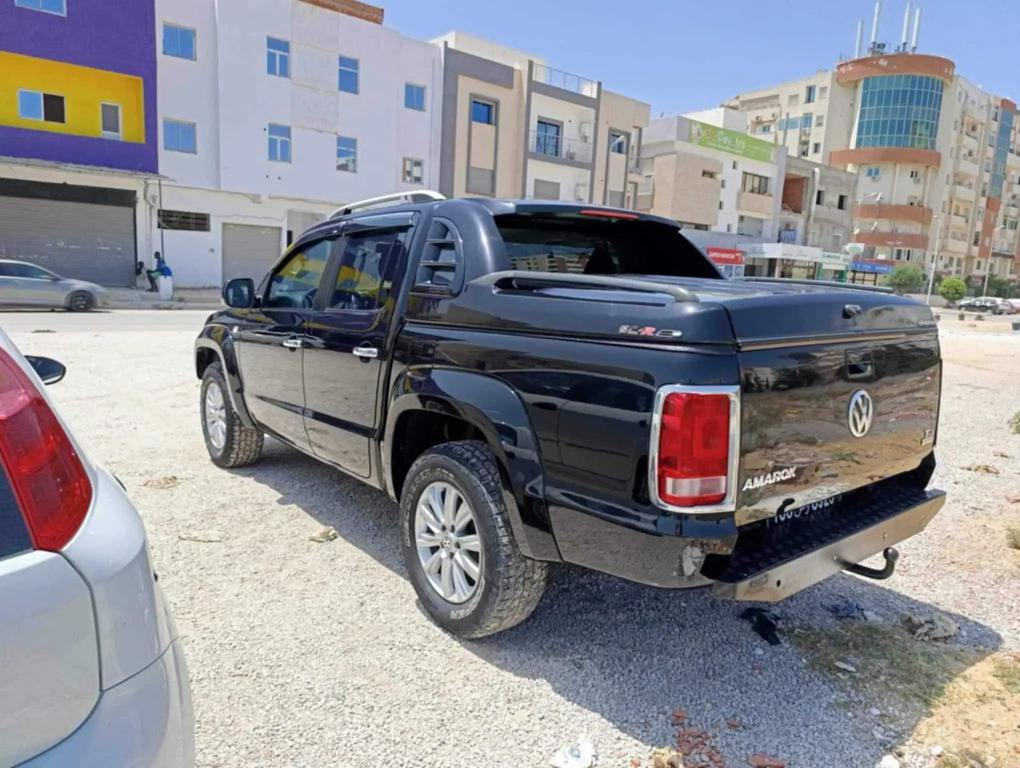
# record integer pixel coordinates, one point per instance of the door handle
(292, 343)
(365, 352)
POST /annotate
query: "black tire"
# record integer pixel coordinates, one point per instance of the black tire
(81, 301)
(510, 585)
(241, 445)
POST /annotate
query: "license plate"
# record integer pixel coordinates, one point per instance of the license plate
(808, 513)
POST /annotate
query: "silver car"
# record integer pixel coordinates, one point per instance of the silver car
(29, 285)
(91, 670)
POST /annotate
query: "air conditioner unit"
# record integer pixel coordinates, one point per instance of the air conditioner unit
(757, 120)
(584, 129)
(917, 179)
(775, 115)
(571, 154)
(581, 192)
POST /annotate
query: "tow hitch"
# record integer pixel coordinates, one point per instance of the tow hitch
(891, 556)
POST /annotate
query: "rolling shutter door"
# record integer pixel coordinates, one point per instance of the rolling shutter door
(249, 251)
(80, 240)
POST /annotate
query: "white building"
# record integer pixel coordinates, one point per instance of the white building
(271, 117)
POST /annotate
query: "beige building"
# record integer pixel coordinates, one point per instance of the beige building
(937, 159)
(514, 127)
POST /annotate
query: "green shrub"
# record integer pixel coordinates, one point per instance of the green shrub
(906, 278)
(952, 289)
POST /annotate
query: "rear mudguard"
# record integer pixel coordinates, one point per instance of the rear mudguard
(498, 413)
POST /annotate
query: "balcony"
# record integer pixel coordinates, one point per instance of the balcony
(963, 192)
(954, 245)
(918, 213)
(969, 140)
(557, 78)
(956, 220)
(788, 236)
(968, 167)
(758, 205)
(556, 148)
(893, 239)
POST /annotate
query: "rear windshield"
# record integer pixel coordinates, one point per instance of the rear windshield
(600, 246)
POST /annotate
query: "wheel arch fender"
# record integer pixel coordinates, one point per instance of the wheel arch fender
(496, 412)
(215, 344)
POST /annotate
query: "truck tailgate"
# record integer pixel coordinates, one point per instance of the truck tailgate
(839, 390)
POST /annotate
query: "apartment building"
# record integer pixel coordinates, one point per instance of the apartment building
(78, 146)
(936, 157)
(704, 172)
(515, 127)
(269, 121)
(810, 117)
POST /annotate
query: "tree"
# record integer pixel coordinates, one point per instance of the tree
(906, 278)
(952, 289)
(1001, 288)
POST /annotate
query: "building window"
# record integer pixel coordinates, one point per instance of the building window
(734, 165)
(348, 82)
(618, 142)
(178, 41)
(414, 172)
(793, 100)
(722, 183)
(548, 139)
(809, 94)
(58, 7)
(899, 111)
(708, 174)
(823, 92)
(109, 119)
(755, 184)
(841, 202)
(178, 136)
(185, 220)
(483, 112)
(720, 205)
(837, 239)
(816, 148)
(820, 121)
(279, 143)
(347, 154)
(820, 197)
(414, 96)
(806, 120)
(277, 57)
(766, 129)
(874, 173)
(47, 107)
(977, 239)
(988, 165)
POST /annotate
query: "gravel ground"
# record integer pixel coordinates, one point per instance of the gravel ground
(308, 654)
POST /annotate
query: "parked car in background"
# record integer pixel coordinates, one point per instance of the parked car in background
(91, 670)
(537, 382)
(1015, 303)
(991, 304)
(28, 285)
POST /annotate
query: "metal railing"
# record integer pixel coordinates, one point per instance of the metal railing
(568, 82)
(788, 236)
(553, 145)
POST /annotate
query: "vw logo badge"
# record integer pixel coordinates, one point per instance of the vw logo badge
(860, 413)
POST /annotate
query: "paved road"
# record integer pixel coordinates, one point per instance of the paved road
(306, 654)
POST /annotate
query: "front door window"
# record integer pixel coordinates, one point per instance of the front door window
(293, 286)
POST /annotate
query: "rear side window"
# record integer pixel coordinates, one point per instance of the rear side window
(365, 278)
(582, 244)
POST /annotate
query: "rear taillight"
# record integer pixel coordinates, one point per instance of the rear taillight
(49, 480)
(695, 447)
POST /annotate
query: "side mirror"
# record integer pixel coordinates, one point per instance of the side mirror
(49, 370)
(239, 293)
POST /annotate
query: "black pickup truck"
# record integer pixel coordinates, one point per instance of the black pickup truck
(539, 382)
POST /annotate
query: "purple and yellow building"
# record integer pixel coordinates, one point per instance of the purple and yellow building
(78, 134)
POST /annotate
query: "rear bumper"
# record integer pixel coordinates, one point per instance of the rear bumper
(145, 721)
(790, 576)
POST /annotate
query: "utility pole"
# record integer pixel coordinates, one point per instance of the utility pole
(934, 257)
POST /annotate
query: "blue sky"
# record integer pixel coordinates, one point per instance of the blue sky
(681, 56)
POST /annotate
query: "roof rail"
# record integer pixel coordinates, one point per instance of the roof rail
(397, 198)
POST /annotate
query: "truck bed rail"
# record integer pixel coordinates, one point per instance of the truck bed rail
(522, 280)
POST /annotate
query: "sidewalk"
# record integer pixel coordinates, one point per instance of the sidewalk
(184, 298)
